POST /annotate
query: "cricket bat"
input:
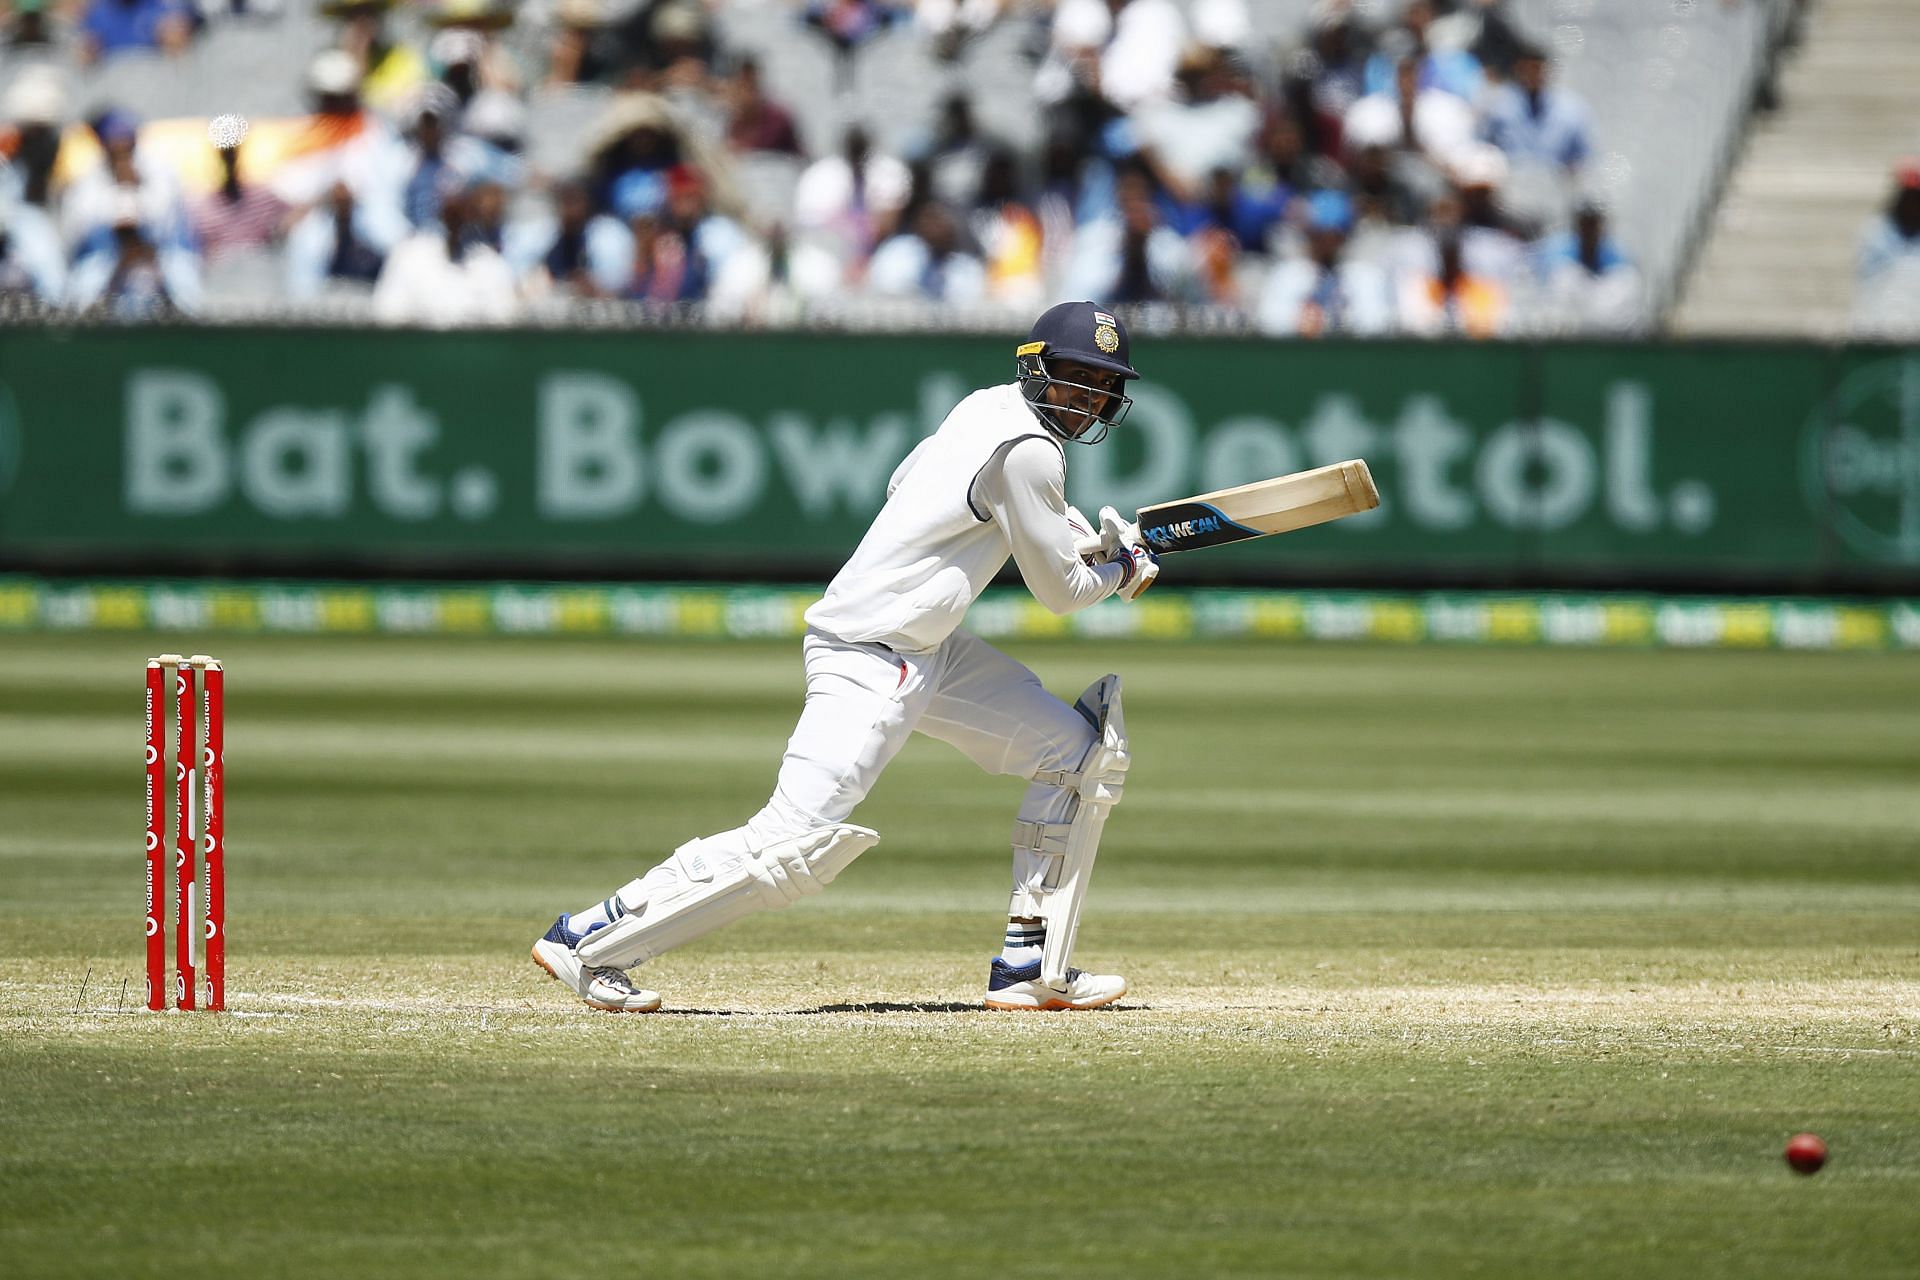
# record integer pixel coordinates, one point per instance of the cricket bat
(1279, 505)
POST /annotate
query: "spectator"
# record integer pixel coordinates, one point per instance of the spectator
(956, 153)
(774, 282)
(1068, 81)
(1225, 26)
(666, 265)
(711, 237)
(391, 72)
(1281, 164)
(1137, 66)
(35, 111)
(92, 199)
(1246, 215)
(684, 48)
(643, 47)
(491, 138)
(466, 53)
(1492, 244)
(1130, 256)
(927, 261)
(1440, 296)
(754, 121)
(1206, 125)
(1009, 234)
(342, 141)
(455, 57)
(1073, 190)
(576, 252)
(486, 213)
(1589, 283)
(659, 271)
(1327, 77)
(1432, 123)
(236, 216)
(1487, 31)
(1488, 252)
(852, 199)
(439, 277)
(32, 262)
(951, 23)
(487, 19)
(1450, 70)
(641, 133)
(121, 26)
(430, 174)
(128, 273)
(1325, 292)
(1391, 185)
(336, 247)
(1535, 123)
(580, 50)
(27, 27)
(1886, 296)
(1217, 263)
(848, 24)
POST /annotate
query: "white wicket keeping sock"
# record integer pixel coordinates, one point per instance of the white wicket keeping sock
(1023, 943)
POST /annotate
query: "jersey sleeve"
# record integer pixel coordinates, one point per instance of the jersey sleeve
(906, 465)
(1026, 494)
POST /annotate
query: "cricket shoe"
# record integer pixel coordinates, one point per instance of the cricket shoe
(1009, 987)
(603, 988)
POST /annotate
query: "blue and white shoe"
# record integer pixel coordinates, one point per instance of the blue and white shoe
(1010, 987)
(603, 988)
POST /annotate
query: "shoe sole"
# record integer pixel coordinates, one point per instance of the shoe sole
(1052, 1004)
(586, 1000)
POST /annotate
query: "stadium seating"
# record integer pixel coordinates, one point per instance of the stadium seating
(1669, 82)
(1779, 259)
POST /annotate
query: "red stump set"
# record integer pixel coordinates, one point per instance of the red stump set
(204, 765)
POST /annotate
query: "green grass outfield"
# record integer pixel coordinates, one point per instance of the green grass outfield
(1445, 962)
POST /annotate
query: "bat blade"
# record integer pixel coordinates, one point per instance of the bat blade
(1279, 505)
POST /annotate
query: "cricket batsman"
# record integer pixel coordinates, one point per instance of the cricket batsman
(885, 655)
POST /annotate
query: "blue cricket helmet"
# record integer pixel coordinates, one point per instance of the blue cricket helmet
(1086, 334)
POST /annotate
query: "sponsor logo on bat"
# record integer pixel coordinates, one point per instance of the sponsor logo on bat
(1165, 535)
(1184, 526)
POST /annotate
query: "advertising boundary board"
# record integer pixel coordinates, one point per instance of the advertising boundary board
(729, 612)
(672, 455)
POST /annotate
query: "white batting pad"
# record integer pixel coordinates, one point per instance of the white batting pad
(700, 888)
(1101, 778)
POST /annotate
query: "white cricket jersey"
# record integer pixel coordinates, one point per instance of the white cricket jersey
(990, 483)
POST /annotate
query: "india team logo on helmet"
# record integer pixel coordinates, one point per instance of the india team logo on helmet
(1106, 332)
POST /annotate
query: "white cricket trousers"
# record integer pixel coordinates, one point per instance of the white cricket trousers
(863, 700)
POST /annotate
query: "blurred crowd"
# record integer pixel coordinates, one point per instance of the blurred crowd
(1394, 167)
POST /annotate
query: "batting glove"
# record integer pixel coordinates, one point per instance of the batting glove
(1118, 531)
(1130, 551)
(1140, 567)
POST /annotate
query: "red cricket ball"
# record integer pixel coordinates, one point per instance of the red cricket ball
(1806, 1152)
